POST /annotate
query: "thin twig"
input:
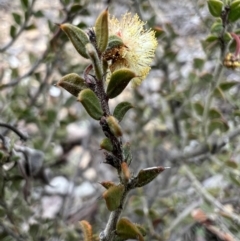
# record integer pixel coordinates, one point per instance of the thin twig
(183, 215)
(212, 146)
(15, 130)
(22, 28)
(208, 197)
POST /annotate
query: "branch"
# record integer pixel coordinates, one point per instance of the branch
(22, 28)
(15, 130)
(39, 61)
(183, 215)
(209, 198)
(212, 146)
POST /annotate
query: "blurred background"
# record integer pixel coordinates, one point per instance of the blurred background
(49, 177)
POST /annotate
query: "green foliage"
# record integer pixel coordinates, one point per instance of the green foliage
(119, 81)
(78, 38)
(215, 7)
(101, 29)
(121, 109)
(91, 103)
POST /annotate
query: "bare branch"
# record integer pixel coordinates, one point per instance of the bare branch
(15, 130)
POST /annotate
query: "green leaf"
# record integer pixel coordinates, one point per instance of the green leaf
(121, 109)
(145, 176)
(101, 29)
(106, 144)
(34, 229)
(119, 81)
(128, 230)
(78, 38)
(17, 18)
(76, 8)
(114, 41)
(72, 83)
(91, 103)
(217, 124)
(198, 63)
(234, 13)
(214, 113)
(113, 197)
(227, 37)
(198, 107)
(13, 31)
(231, 163)
(228, 85)
(215, 7)
(192, 77)
(38, 14)
(211, 38)
(235, 179)
(24, 4)
(216, 28)
(206, 77)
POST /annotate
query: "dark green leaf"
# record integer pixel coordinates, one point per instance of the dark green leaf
(214, 113)
(119, 81)
(206, 77)
(38, 14)
(216, 28)
(91, 103)
(13, 31)
(145, 176)
(72, 83)
(212, 38)
(228, 85)
(17, 18)
(198, 107)
(75, 8)
(234, 11)
(121, 109)
(198, 63)
(24, 4)
(217, 124)
(215, 7)
(231, 163)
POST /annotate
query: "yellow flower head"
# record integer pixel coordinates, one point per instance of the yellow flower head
(137, 50)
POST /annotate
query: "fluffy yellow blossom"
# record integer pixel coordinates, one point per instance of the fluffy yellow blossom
(137, 50)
